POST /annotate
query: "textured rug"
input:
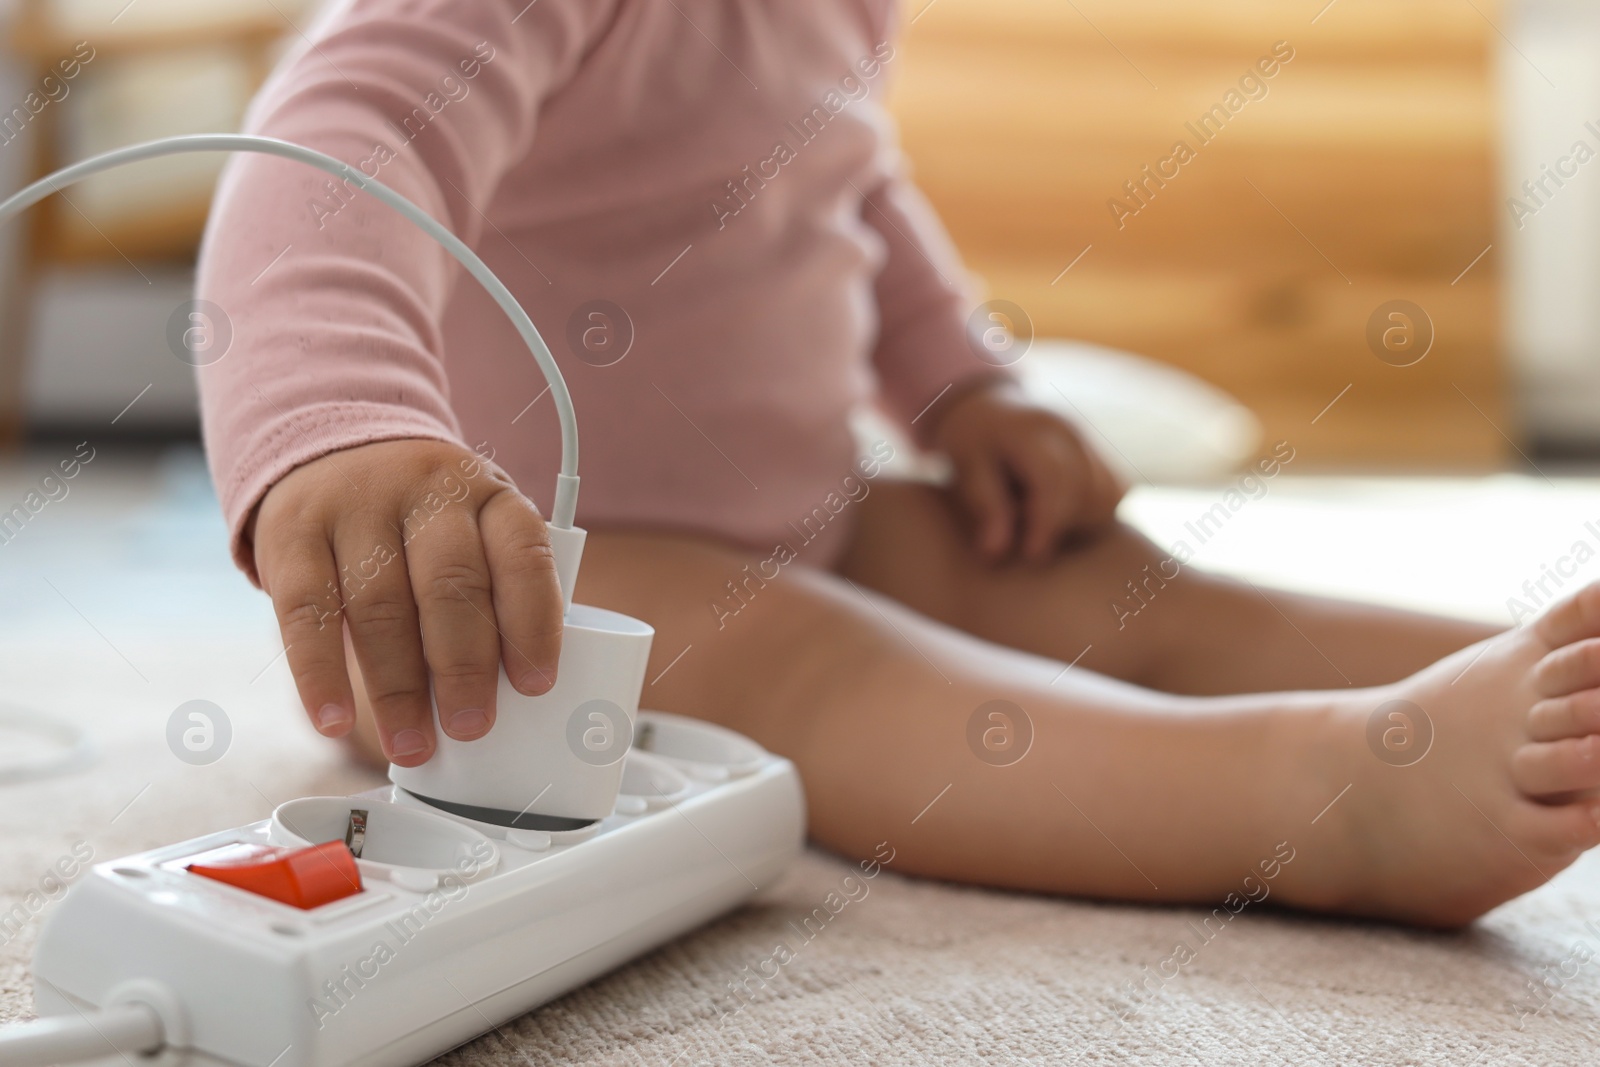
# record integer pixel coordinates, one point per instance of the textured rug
(121, 608)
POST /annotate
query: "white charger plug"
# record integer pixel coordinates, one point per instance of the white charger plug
(553, 761)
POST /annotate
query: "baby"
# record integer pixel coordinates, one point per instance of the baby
(701, 204)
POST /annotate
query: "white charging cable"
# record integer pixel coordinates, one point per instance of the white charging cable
(566, 498)
(135, 1028)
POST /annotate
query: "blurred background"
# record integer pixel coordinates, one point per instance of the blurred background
(87, 280)
(1379, 242)
(1375, 164)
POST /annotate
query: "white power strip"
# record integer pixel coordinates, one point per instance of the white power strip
(458, 925)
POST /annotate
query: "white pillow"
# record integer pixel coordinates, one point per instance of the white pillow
(1151, 421)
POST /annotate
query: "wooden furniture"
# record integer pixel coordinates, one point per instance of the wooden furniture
(138, 41)
(1366, 173)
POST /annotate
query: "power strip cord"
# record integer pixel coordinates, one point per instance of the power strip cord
(126, 1030)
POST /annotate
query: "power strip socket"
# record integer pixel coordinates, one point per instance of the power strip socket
(458, 927)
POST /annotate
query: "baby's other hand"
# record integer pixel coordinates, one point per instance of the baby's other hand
(440, 569)
(1025, 475)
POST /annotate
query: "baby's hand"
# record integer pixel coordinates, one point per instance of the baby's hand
(1025, 475)
(436, 564)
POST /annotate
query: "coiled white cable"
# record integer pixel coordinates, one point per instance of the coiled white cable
(71, 751)
(566, 497)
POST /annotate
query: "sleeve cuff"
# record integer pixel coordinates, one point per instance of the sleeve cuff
(931, 358)
(299, 437)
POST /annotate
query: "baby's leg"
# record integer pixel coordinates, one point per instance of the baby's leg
(1124, 792)
(1181, 629)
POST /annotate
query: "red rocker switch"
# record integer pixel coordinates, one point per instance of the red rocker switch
(304, 877)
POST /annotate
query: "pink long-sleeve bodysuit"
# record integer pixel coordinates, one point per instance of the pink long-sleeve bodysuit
(710, 185)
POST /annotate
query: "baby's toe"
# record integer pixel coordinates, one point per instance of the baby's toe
(1573, 715)
(1571, 619)
(1556, 833)
(1568, 669)
(1554, 768)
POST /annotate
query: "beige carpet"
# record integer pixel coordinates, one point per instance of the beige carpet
(139, 616)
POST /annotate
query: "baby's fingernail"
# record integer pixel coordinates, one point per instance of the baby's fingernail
(469, 721)
(407, 743)
(332, 716)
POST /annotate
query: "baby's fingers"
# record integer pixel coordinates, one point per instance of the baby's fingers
(527, 596)
(1053, 503)
(451, 578)
(306, 601)
(981, 485)
(382, 616)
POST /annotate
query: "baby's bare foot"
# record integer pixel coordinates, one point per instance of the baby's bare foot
(1471, 782)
